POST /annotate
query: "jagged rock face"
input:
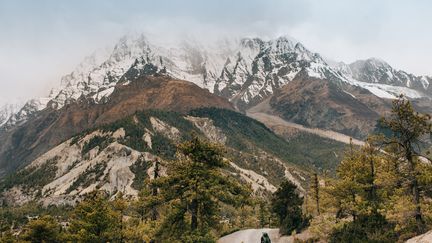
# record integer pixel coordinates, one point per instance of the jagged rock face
(121, 155)
(23, 143)
(323, 104)
(7, 112)
(206, 126)
(15, 114)
(245, 71)
(376, 71)
(68, 172)
(135, 76)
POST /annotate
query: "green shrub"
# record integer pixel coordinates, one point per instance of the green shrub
(35, 177)
(139, 168)
(366, 228)
(89, 176)
(101, 141)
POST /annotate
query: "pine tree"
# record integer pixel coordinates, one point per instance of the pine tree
(316, 192)
(264, 214)
(286, 204)
(156, 171)
(355, 188)
(148, 202)
(43, 229)
(195, 187)
(119, 206)
(140, 205)
(92, 220)
(408, 128)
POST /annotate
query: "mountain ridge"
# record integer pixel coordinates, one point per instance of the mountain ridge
(117, 156)
(47, 128)
(300, 85)
(245, 71)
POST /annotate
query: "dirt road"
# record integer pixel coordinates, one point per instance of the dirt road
(254, 236)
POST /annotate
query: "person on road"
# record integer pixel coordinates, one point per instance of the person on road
(265, 238)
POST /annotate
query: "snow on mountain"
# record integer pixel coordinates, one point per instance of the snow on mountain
(375, 70)
(383, 80)
(7, 111)
(239, 69)
(261, 67)
(388, 91)
(96, 78)
(21, 113)
(245, 71)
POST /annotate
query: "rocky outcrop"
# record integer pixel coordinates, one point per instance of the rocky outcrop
(206, 126)
(21, 144)
(120, 157)
(323, 104)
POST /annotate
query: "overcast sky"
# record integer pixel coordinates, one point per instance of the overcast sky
(42, 40)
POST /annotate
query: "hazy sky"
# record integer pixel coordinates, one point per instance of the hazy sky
(42, 40)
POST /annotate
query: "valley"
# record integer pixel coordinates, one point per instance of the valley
(278, 124)
(161, 133)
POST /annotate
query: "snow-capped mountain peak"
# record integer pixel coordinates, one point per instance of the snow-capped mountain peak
(7, 111)
(374, 70)
(244, 70)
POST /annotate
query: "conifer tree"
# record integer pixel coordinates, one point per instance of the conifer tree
(156, 171)
(356, 189)
(92, 220)
(141, 205)
(408, 129)
(358, 192)
(119, 206)
(195, 187)
(264, 214)
(148, 197)
(286, 204)
(316, 192)
(43, 229)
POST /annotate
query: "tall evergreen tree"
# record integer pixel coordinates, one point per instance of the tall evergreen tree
(286, 204)
(119, 206)
(264, 213)
(156, 171)
(316, 192)
(92, 220)
(195, 187)
(356, 189)
(408, 129)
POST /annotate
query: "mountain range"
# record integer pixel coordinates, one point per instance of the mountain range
(153, 92)
(245, 71)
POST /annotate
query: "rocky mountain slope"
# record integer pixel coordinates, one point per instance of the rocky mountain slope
(320, 103)
(377, 71)
(278, 77)
(7, 112)
(120, 155)
(47, 128)
(424, 238)
(246, 71)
